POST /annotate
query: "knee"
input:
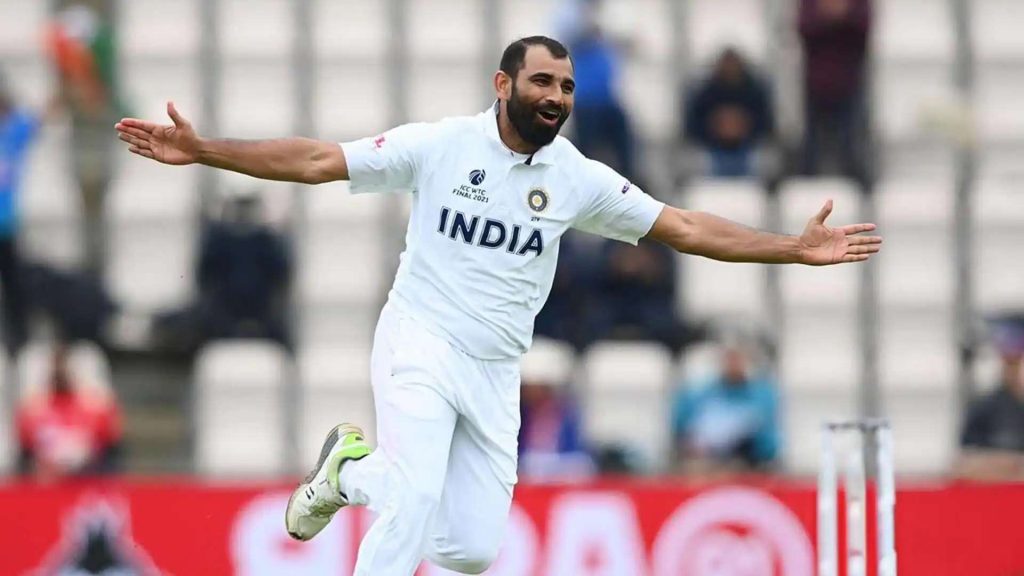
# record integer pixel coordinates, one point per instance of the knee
(470, 556)
(468, 564)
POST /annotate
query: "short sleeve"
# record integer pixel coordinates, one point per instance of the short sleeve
(390, 161)
(613, 207)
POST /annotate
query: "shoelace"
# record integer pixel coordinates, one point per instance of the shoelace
(323, 506)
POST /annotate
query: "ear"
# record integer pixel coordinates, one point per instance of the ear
(502, 85)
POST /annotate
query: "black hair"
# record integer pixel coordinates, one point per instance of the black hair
(514, 57)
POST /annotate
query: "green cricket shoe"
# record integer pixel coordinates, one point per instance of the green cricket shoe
(318, 497)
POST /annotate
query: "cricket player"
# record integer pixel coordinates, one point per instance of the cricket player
(491, 196)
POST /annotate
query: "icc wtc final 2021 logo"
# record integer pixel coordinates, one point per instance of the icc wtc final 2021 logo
(476, 177)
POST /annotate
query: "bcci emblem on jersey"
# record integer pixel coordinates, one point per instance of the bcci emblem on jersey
(537, 199)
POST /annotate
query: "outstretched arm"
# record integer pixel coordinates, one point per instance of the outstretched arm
(708, 235)
(302, 160)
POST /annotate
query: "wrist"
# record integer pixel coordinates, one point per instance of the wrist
(796, 252)
(204, 150)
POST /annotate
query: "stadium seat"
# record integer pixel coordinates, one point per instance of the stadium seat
(819, 372)
(651, 100)
(910, 98)
(335, 388)
(914, 30)
(21, 26)
(49, 204)
(332, 205)
(998, 235)
(442, 89)
(700, 361)
(711, 289)
(915, 266)
(31, 81)
(256, 28)
(809, 287)
(713, 24)
(342, 263)
(925, 429)
(550, 361)
(86, 362)
(351, 30)
(239, 391)
(998, 105)
(152, 211)
(175, 33)
(624, 397)
(651, 30)
(995, 29)
(149, 85)
(446, 30)
(341, 277)
(343, 114)
(988, 369)
(7, 426)
(917, 350)
(257, 98)
(520, 18)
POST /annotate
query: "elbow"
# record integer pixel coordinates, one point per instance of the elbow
(682, 234)
(314, 176)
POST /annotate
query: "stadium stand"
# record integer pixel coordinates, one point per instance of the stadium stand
(344, 243)
(336, 388)
(715, 290)
(239, 409)
(624, 398)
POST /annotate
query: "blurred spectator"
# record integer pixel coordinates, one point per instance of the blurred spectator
(244, 272)
(728, 115)
(83, 46)
(635, 296)
(572, 291)
(550, 443)
(17, 129)
(835, 40)
(729, 421)
(601, 128)
(75, 302)
(993, 433)
(68, 428)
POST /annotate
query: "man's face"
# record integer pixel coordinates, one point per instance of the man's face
(542, 96)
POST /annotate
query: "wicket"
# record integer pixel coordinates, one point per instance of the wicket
(845, 440)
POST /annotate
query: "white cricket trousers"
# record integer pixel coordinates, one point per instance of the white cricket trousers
(441, 477)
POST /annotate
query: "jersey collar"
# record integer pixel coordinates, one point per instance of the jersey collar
(546, 155)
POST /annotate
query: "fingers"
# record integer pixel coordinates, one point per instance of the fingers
(855, 258)
(138, 124)
(141, 152)
(134, 141)
(867, 249)
(136, 132)
(822, 214)
(177, 118)
(859, 240)
(857, 228)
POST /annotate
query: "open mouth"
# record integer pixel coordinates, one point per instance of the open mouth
(549, 117)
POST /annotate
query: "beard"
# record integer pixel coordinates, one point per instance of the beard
(523, 117)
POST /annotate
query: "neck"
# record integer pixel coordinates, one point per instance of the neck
(509, 135)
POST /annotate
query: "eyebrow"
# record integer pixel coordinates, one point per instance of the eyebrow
(550, 76)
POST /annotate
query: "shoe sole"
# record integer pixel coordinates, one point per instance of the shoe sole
(325, 451)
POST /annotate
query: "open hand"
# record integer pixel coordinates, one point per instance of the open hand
(821, 245)
(176, 143)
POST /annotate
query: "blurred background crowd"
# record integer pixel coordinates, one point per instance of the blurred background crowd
(177, 320)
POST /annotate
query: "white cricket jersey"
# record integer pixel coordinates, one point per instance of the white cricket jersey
(482, 241)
